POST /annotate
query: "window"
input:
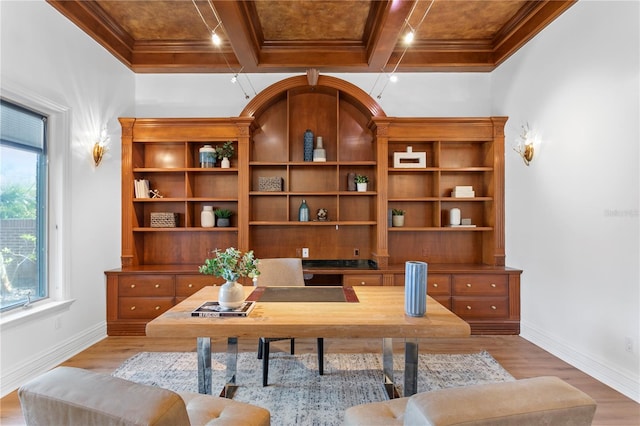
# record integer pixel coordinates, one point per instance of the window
(23, 206)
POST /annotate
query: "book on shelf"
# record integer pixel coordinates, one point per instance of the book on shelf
(141, 187)
(213, 310)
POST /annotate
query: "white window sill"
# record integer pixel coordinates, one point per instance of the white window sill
(36, 311)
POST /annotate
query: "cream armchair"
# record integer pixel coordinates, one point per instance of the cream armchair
(73, 396)
(542, 401)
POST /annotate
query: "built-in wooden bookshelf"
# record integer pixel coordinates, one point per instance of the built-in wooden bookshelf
(466, 264)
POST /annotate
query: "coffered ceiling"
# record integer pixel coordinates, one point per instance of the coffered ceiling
(173, 36)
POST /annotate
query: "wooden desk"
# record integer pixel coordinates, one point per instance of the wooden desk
(379, 313)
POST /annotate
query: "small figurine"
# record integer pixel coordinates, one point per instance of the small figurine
(323, 215)
(155, 193)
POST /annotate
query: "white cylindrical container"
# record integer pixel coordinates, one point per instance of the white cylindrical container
(454, 216)
(206, 217)
(415, 288)
(207, 156)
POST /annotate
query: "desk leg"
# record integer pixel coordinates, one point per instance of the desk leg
(232, 368)
(410, 367)
(387, 368)
(204, 365)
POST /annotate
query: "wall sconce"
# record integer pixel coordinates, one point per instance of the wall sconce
(525, 147)
(100, 147)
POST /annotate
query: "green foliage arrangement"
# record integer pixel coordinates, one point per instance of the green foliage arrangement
(397, 212)
(223, 213)
(226, 150)
(361, 179)
(231, 264)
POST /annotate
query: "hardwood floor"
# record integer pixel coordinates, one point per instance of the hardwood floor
(521, 358)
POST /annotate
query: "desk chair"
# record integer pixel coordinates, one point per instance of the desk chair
(281, 272)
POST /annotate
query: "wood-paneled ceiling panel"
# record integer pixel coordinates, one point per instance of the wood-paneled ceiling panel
(295, 35)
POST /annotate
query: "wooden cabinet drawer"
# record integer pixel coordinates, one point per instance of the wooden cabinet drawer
(186, 285)
(486, 285)
(143, 307)
(485, 307)
(356, 280)
(146, 285)
(438, 284)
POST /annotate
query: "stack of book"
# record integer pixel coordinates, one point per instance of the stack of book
(463, 192)
(141, 188)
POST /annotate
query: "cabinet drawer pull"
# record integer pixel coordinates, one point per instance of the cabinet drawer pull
(133, 308)
(435, 285)
(157, 308)
(468, 307)
(469, 285)
(157, 285)
(133, 286)
(190, 285)
(493, 307)
(362, 282)
(493, 285)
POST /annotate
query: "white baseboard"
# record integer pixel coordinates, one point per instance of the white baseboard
(624, 382)
(46, 360)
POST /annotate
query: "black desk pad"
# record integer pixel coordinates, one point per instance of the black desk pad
(303, 294)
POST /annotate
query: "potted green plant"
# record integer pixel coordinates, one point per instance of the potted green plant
(223, 217)
(231, 264)
(361, 182)
(397, 217)
(224, 153)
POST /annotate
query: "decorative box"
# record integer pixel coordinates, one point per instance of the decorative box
(409, 159)
(164, 220)
(270, 184)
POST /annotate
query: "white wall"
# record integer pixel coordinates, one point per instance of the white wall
(572, 216)
(213, 95)
(46, 57)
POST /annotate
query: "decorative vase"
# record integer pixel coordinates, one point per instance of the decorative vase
(223, 222)
(415, 288)
(207, 156)
(303, 212)
(351, 181)
(308, 145)
(454, 217)
(362, 186)
(231, 295)
(319, 154)
(397, 221)
(206, 217)
(225, 163)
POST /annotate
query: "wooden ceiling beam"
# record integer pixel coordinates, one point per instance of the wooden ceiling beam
(238, 24)
(387, 24)
(92, 19)
(532, 19)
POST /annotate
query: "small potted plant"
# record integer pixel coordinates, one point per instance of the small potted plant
(223, 217)
(231, 264)
(397, 217)
(224, 153)
(361, 182)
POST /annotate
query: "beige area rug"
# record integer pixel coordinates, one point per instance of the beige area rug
(297, 395)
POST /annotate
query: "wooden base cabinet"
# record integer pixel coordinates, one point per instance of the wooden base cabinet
(136, 297)
(487, 298)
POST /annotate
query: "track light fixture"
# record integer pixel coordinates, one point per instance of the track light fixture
(408, 39)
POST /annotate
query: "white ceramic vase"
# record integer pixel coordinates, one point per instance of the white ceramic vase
(225, 163)
(397, 221)
(231, 295)
(361, 186)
